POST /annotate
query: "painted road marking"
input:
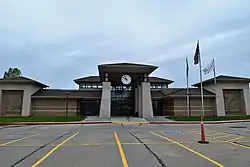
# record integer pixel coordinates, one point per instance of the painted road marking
(237, 144)
(214, 134)
(218, 137)
(230, 141)
(53, 150)
(237, 138)
(174, 132)
(189, 149)
(14, 141)
(111, 144)
(119, 145)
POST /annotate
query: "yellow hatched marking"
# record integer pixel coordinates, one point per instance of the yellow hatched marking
(14, 141)
(218, 137)
(189, 149)
(237, 138)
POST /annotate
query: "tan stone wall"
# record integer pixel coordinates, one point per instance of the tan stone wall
(220, 102)
(178, 106)
(12, 102)
(53, 107)
(27, 89)
(234, 101)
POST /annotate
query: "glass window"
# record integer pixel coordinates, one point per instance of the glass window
(164, 86)
(88, 85)
(99, 85)
(82, 85)
(94, 85)
(158, 86)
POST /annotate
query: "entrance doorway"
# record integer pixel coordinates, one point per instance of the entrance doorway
(122, 101)
(89, 107)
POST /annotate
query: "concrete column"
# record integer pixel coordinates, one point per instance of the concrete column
(136, 101)
(1, 103)
(139, 91)
(26, 106)
(147, 108)
(105, 107)
(246, 95)
(220, 104)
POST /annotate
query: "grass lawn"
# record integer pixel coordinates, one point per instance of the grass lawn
(41, 119)
(209, 118)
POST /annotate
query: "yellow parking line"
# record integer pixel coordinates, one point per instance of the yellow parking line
(218, 137)
(189, 149)
(14, 141)
(230, 141)
(236, 144)
(119, 145)
(237, 138)
(214, 134)
(53, 150)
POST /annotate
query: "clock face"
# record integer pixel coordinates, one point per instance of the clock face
(126, 79)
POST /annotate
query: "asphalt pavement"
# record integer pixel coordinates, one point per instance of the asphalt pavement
(126, 145)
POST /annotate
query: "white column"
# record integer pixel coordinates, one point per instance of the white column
(220, 104)
(246, 95)
(147, 108)
(26, 103)
(106, 100)
(1, 105)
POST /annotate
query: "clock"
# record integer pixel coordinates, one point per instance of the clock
(126, 79)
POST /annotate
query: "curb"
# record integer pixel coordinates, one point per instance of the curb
(198, 122)
(51, 123)
(110, 122)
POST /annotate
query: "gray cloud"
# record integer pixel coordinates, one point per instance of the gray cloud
(58, 41)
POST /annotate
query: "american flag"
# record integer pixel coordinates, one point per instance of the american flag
(197, 54)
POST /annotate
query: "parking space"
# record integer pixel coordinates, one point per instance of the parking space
(133, 145)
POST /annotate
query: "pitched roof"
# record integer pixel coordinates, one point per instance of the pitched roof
(224, 79)
(61, 93)
(22, 79)
(127, 65)
(159, 80)
(96, 79)
(88, 79)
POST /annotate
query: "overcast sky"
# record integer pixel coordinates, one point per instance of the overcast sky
(56, 41)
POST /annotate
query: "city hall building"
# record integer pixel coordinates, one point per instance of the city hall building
(124, 89)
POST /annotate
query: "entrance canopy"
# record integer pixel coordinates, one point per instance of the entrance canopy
(116, 70)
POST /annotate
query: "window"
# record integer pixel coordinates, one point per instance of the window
(90, 85)
(164, 86)
(94, 85)
(158, 85)
(99, 85)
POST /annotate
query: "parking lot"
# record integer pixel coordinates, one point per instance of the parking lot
(133, 145)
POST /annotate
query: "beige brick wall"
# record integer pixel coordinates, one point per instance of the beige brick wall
(179, 106)
(53, 107)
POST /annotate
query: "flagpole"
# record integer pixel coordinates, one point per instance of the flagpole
(202, 100)
(214, 71)
(188, 102)
(203, 139)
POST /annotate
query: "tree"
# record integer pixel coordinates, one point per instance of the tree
(12, 73)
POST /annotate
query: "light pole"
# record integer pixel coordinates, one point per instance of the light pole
(67, 102)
